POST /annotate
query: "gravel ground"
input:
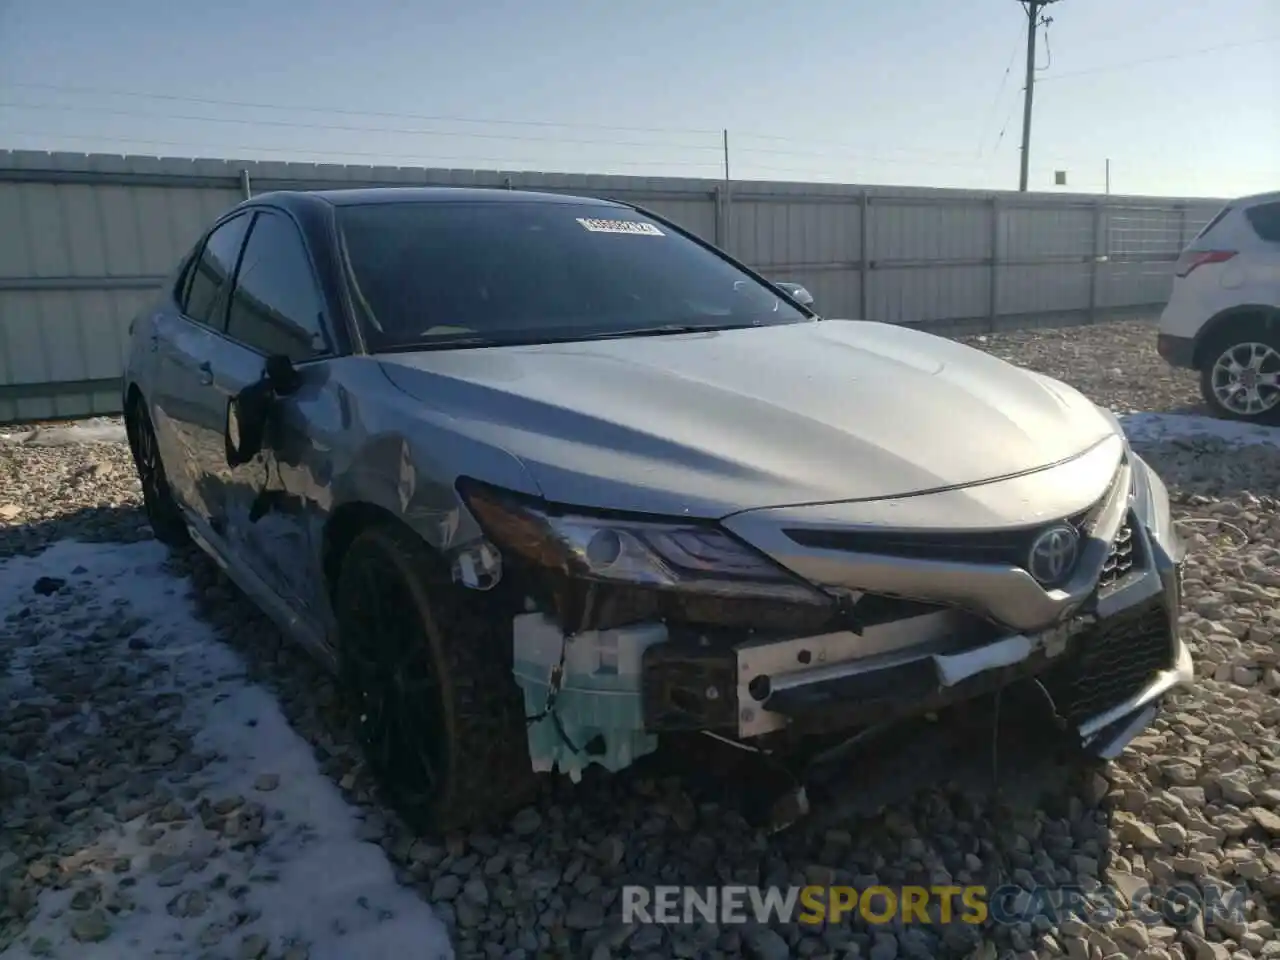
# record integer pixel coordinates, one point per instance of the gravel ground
(1194, 801)
(1116, 364)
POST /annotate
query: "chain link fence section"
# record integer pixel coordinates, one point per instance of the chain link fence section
(1142, 243)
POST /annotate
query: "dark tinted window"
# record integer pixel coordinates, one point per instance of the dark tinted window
(209, 283)
(276, 307)
(513, 271)
(1265, 220)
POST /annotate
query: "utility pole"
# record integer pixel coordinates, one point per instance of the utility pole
(1108, 176)
(728, 197)
(1033, 9)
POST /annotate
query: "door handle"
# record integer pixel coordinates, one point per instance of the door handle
(206, 374)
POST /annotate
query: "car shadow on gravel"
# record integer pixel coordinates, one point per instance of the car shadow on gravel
(980, 796)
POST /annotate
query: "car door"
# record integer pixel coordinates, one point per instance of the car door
(183, 341)
(275, 309)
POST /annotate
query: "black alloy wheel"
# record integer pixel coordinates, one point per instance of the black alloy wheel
(426, 672)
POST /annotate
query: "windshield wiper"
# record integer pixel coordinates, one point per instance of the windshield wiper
(669, 328)
(547, 338)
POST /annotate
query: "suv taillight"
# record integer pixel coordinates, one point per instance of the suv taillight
(1198, 258)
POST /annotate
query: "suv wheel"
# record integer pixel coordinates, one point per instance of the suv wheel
(163, 513)
(1240, 375)
(428, 678)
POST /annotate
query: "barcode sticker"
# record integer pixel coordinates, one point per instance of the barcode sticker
(620, 226)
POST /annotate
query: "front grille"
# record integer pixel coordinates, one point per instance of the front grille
(1112, 662)
(1124, 558)
(996, 547)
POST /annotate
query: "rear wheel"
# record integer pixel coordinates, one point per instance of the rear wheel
(1240, 373)
(163, 513)
(428, 677)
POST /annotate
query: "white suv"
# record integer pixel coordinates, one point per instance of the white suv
(1223, 316)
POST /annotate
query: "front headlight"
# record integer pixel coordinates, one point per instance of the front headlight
(668, 556)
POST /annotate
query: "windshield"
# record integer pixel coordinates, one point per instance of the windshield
(439, 274)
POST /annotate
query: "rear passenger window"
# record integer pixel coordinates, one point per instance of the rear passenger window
(209, 285)
(276, 307)
(1265, 220)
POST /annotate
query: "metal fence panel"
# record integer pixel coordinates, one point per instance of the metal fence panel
(794, 239)
(86, 239)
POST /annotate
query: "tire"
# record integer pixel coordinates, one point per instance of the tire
(163, 512)
(436, 707)
(1248, 341)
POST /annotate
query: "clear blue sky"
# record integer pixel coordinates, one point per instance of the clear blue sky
(899, 92)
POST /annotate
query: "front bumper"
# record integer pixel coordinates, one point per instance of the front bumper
(1106, 663)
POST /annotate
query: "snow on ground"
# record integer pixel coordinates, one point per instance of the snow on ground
(100, 430)
(1164, 427)
(254, 849)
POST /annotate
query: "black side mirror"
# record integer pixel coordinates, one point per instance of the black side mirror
(248, 410)
(282, 375)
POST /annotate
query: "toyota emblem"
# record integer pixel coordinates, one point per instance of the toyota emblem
(1053, 554)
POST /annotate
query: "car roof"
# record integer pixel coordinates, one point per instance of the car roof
(1256, 198)
(369, 195)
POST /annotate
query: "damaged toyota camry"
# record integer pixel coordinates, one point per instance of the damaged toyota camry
(543, 479)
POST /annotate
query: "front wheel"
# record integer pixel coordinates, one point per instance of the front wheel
(1240, 376)
(427, 673)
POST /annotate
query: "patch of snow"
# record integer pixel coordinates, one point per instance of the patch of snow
(1163, 427)
(100, 430)
(323, 886)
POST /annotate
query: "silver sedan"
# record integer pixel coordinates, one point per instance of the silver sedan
(545, 478)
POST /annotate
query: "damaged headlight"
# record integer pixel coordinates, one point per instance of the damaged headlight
(675, 556)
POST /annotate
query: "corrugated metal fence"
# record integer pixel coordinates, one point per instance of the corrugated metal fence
(86, 239)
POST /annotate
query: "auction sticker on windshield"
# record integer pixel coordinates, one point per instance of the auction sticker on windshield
(620, 226)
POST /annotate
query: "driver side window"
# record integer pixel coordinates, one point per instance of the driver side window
(276, 307)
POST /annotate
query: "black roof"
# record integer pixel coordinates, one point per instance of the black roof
(365, 195)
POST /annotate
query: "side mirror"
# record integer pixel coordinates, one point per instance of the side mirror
(282, 375)
(797, 293)
(248, 410)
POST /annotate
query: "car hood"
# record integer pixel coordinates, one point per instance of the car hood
(710, 424)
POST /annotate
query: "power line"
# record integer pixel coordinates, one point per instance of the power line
(239, 104)
(831, 160)
(1130, 64)
(845, 149)
(1013, 105)
(486, 136)
(419, 158)
(995, 101)
(298, 125)
(211, 101)
(303, 154)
